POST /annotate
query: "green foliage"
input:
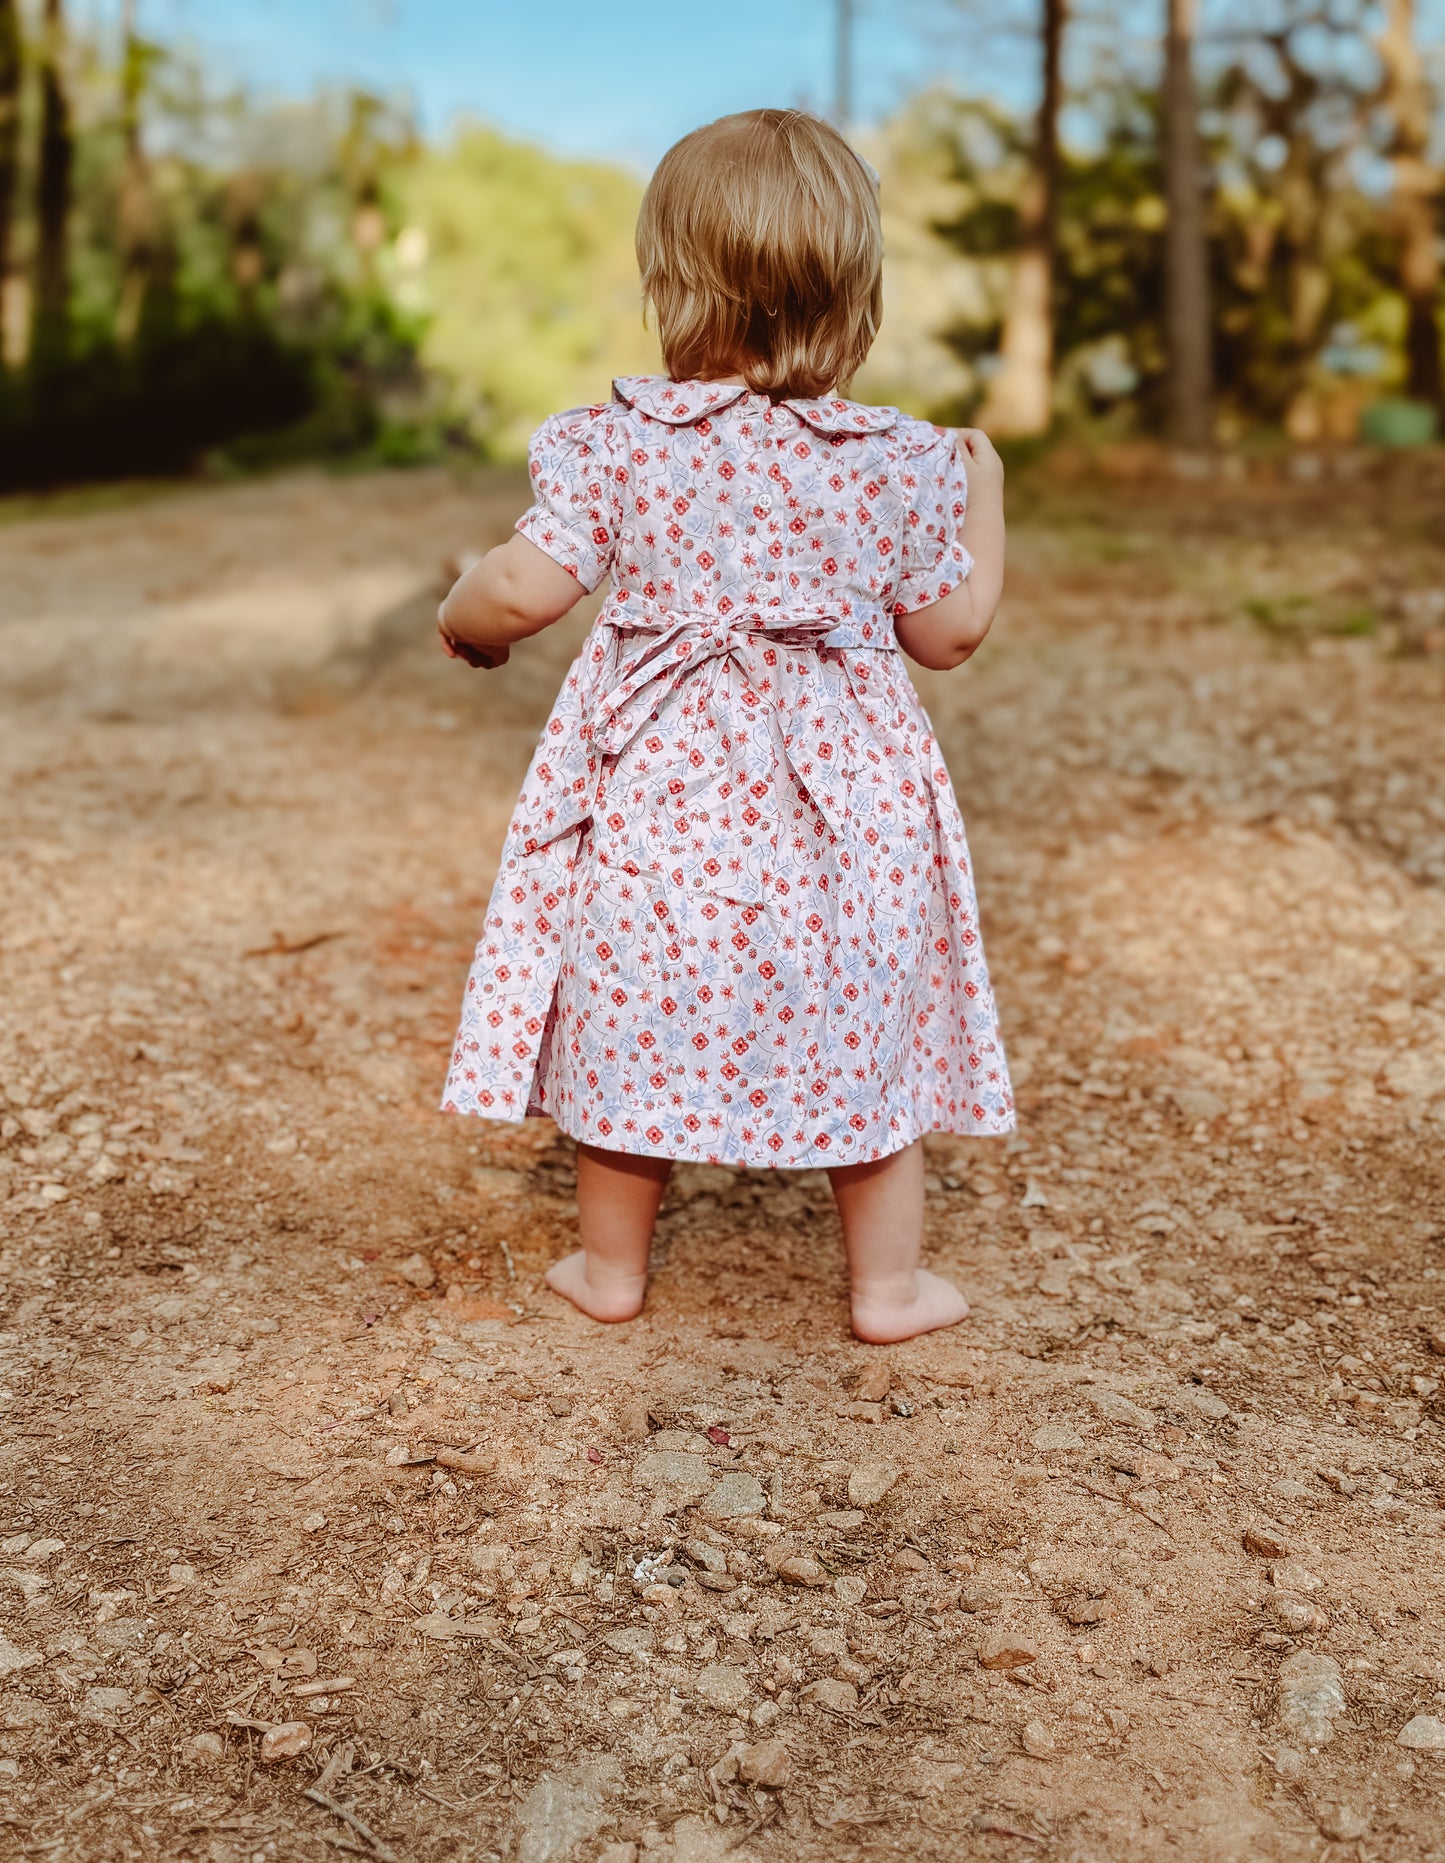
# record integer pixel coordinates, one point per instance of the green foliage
(523, 269)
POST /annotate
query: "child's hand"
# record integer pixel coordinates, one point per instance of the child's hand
(486, 658)
(985, 468)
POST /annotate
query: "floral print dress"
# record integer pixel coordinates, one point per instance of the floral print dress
(734, 919)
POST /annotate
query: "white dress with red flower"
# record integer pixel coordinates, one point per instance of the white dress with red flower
(734, 919)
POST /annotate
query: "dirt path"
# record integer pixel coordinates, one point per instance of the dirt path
(286, 1398)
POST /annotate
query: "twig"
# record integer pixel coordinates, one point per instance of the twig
(507, 1253)
(289, 947)
(346, 1816)
(758, 1824)
(1005, 1830)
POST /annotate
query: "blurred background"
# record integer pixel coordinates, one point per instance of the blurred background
(246, 233)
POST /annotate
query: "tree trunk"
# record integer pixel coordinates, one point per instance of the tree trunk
(137, 231)
(10, 76)
(1417, 203)
(1186, 254)
(1019, 399)
(52, 198)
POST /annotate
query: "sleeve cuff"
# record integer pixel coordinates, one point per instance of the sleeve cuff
(919, 591)
(577, 555)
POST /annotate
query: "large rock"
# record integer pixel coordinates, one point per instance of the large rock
(1311, 1696)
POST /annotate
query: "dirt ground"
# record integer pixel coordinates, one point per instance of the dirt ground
(1144, 1561)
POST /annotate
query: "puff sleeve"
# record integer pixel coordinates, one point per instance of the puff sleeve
(578, 468)
(932, 558)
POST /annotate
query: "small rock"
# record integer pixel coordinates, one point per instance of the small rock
(723, 1686)
(864, 1413)
(1289, 1762)
(556, 1816)
(1342, 1824)
(1090, 1611)
(1007, 1651)
(850, 1589)
(710, 1558)
(632, 1419)
(834, 1694)
(1311, 1696)
(1266, 1541)
(1119, 1409)
(1054, 1436)
(847, 1520)
(288, 1741)
(39, 1551)
(617, 1853)
(1290, 1575)
(418, 1271)
(768, 1763)
(736, 1497)
(208, 1748)
(1426, 1734)
(1205, 1402)
(717, 1581)
(764, 1715)
(1038, 1742)
(314, 1523)
(101, 1704)
(1297, 1615)
(871, 1481)
(13, 1658)
(668, 1469)
(979, 1599)
(876, 1382)
(799, 1570)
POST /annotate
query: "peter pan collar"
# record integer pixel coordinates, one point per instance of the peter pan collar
(682, 403)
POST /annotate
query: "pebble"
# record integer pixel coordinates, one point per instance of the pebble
(838, 1696)
(799, 1570)
(710, 1558)
(876, 1382)
(864, 1413)
(313, 1523)
(1297, 1615)
(1426, 1734)
(668, 1469)
(1206, 1403)
(1311, 1696)
(869, 1482)
(288, 1741)
(101, 1704)
(1038, 1742)
(736, 1497)
(722, 1685)
(768, 1763)
(1266, 1541)
(39, 1551)
(845, 1520)
(1120, 1409)
(208, 1747)
(1054, 1436)
(1342, 1824)
(617, 1853)
(1290, 1575)
(556, 1816)
(632, 1419)
(850, 1589)
(418, 1271)
(1007, 1651)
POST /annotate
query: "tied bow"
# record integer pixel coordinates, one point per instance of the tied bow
(640, 654)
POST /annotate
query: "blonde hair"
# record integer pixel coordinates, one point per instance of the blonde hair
(760, 249)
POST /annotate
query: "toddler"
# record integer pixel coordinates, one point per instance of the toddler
(734, 919)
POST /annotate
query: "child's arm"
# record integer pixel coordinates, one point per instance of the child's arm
(946, 634)
(515, 590)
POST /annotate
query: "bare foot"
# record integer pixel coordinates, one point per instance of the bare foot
(605, 1297)
(886, 1313)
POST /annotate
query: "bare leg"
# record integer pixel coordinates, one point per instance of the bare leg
(617, 1202)
(881, 1207)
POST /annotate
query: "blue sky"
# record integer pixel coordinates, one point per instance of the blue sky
(587, 77)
